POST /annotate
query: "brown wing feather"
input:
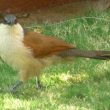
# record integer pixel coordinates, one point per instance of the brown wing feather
(43, 46)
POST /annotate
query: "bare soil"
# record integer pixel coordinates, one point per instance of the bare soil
(65, 11)
(54, 11)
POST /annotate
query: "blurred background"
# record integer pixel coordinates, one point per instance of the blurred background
(51, 10)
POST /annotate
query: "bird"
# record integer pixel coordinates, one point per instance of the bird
(29, 52)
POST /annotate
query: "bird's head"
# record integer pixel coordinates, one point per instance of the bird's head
(9, 25)
(10, 20)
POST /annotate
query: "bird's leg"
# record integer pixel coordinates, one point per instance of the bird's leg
(23, 76)
(38, 83)
(16, 86)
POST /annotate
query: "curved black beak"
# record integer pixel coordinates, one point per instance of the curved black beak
(10, 19)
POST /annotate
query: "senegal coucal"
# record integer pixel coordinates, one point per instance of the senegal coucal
(29, 52)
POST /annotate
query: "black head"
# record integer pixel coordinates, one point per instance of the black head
(10, 19)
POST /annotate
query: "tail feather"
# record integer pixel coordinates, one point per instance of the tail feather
(102, 55)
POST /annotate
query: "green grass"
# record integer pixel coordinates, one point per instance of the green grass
(80, 85)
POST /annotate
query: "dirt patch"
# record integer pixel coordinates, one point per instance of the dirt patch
(15, 6)
(56, 14)
(57, 10)
(65, 11)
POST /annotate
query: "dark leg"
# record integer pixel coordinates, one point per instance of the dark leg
(16, 86)
(38, 83)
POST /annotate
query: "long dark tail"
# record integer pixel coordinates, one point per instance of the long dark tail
(102, 55)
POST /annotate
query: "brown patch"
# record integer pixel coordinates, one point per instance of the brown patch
(51, 10)
(44, 46)
(65, 11)
(29, 5)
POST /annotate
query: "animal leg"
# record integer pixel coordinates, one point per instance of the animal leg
(16, 86)
(23, 76)
(38, 83)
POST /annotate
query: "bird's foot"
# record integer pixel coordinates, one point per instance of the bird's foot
(39, 86)
(15, 87)
(12, 90)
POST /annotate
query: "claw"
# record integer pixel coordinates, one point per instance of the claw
(16, 86)
(39, 86)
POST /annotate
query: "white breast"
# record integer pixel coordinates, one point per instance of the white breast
(12, 49)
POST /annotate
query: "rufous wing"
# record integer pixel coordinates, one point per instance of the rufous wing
(43, 46)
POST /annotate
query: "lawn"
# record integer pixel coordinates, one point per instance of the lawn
(83, 84)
